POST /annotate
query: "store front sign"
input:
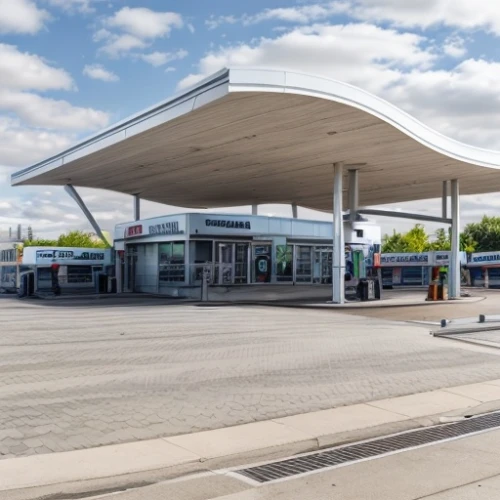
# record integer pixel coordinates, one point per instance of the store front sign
(485, 259)
(133, 231)
(442, 258)
(229, 224)
(165, 228)
(404, 259)
(70, 256)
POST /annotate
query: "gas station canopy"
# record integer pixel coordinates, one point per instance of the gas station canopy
(244, 137)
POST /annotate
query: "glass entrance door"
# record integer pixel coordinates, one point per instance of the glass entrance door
(130, 268)
(225, 264)
(241, 263)
(322, 272)
(303, 264)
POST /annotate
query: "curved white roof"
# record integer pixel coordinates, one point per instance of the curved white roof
(266, 136)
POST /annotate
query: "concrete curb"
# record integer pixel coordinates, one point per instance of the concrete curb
(242, 444)
(457, 331)
(337, 307)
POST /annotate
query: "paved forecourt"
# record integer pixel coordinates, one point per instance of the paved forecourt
(84, 373)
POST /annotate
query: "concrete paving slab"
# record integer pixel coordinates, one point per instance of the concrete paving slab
(481, 392)
(487, 489)
(343, 419)
(203, 487)
(91, 373)
(493, 382)
(425, 404)
(92, 463)
(239, 439)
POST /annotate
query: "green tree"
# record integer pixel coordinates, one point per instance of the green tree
(416, 240)
(394, 243)
(467, 243)
(71, 239)
(442, 241)
(40, 243)
(485, 234)
(80, 239)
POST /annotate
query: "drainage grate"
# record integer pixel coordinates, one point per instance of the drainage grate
(369, 449)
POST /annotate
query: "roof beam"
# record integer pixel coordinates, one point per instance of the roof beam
(403, 215)
(74, 194)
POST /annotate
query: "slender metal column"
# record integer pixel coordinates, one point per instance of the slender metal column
(338, 258)
(444, 202)
(137, 207)
(294, 210)
(353, 195)
(454, 274)
(74, 194)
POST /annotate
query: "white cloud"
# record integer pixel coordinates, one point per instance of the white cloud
(84, 6)
(454, 46)
(462, 102)
(170, 69)
(22, 70)
(21, 16)
(101, 34)
(99, 72)
(466, 14)
(38, 111)
(191, 28)
(120, 45)
(214, 22)
(162, 58)
(345, 52)
(301, 14)
(145, 23)
(20, 146)
(132, 29)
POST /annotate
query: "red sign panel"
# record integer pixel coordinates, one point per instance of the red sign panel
(133, 231)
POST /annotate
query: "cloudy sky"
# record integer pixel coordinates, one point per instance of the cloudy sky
(70, 67)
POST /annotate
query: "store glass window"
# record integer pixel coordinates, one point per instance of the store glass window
(303, 264)
(171, 262)
(165, 252)
(44, 277)
(412, 276)
(261, 263)
(8, 255)
(284, 263)
(79, 274)
(8, 276)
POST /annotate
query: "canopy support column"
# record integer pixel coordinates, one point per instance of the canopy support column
(137, 207)
(294, 210)
(454, 275)
(74, 194)
(255, 209)
(353, 196)
(444, 201)
(338, 257)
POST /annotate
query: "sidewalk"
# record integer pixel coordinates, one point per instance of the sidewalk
(205, 451)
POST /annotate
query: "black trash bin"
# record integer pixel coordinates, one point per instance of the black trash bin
(368, 289)
(103, 283)
(362, 290)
